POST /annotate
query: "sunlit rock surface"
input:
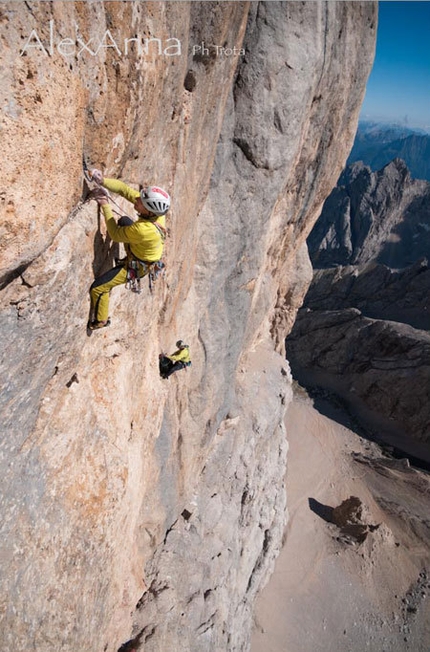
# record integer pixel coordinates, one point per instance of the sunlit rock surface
(136, 508)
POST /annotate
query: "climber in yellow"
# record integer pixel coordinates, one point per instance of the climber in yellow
(143, 239)
(176, 361)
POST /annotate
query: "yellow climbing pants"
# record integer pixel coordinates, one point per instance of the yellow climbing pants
(100, 290)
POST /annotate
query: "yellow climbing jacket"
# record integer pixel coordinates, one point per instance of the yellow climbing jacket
(181, 355)
(145, 237)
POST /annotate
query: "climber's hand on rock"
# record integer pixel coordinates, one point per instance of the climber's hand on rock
(100, 195)
(97, 176)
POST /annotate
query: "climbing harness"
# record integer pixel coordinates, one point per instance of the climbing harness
(133, 278)
(152, 270)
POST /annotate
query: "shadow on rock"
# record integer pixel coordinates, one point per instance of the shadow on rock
(323, 511)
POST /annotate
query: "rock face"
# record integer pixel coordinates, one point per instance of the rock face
(381, 216)
(136, 509)
(352, 517)
(378, 291)
(381, 368)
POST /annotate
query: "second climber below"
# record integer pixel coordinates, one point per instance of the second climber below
(143, 239)
(180, 359)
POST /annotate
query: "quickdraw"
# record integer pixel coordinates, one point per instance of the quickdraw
(87, 174)
(157, 270)
(133, 277)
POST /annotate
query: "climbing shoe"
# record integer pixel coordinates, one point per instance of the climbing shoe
(96, 325)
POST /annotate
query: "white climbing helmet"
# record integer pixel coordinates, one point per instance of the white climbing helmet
(155, 199)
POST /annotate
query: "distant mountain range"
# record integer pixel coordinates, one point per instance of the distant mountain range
(376, 145)
(381, 216)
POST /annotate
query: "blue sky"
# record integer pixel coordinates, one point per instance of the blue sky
(399, 85)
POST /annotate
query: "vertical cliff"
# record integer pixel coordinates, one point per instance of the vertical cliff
(136, 508)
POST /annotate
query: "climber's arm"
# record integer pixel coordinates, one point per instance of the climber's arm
(117, 233)
(121, 188)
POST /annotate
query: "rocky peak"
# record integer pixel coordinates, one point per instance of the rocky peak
(378, 145)
(380, 216)
(395, 172)
(352, 172)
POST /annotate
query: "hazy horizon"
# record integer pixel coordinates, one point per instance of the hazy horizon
(398, 90)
